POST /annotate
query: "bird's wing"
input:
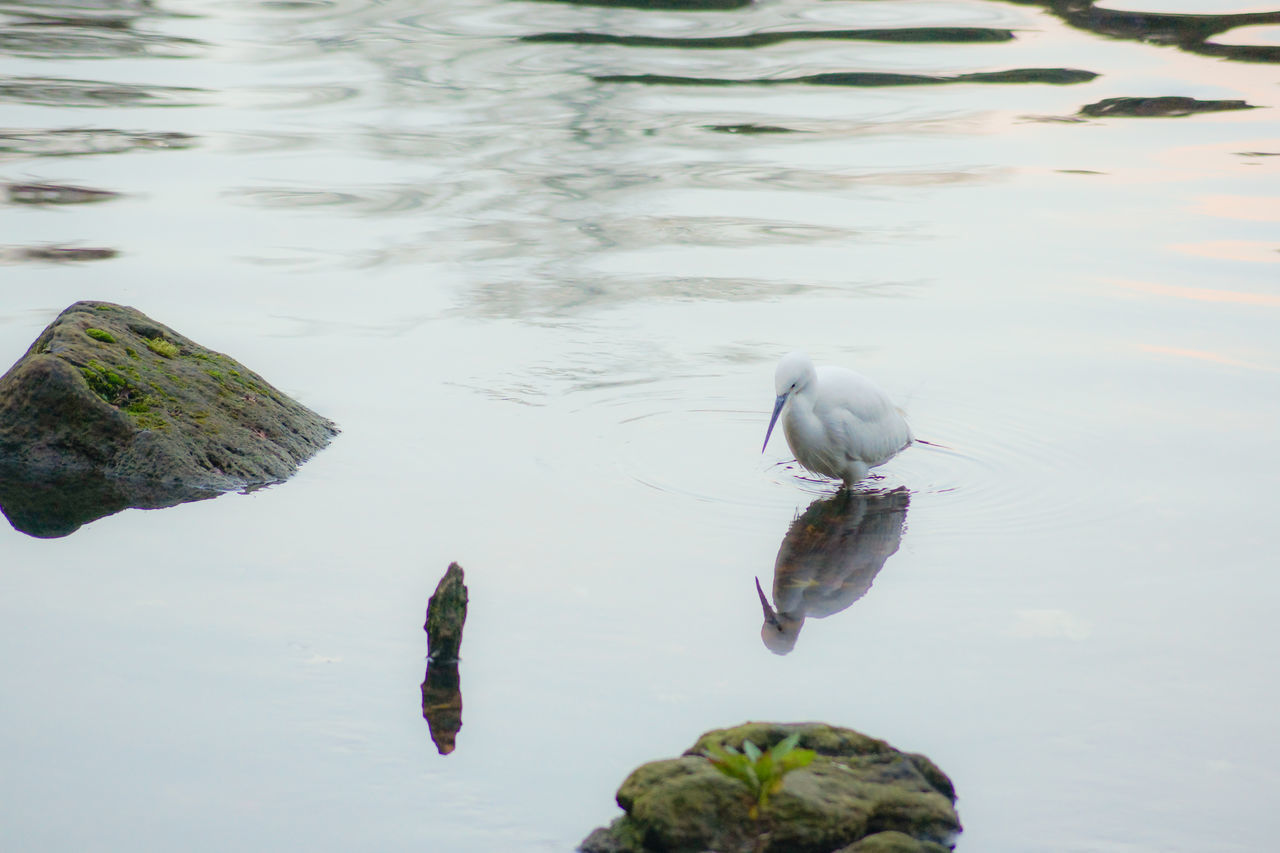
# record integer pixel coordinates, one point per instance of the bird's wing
(860, 416)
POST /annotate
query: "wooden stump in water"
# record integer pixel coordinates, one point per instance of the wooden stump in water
(446, 611)
(442, 685)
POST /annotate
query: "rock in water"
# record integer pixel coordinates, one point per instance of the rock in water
(859, 794)
(108, 395)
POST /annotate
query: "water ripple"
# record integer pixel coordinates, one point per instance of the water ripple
(566, 292)
(373, 200)
(989, 482)
(295, 96)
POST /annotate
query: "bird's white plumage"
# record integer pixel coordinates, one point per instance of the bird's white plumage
(838, 423)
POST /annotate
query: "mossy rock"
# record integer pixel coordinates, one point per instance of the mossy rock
(109, 396)
(857, 790)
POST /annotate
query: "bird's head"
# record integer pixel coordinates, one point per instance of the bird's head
(779, 631)
(794, 373)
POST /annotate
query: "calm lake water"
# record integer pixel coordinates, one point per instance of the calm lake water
(541, 281)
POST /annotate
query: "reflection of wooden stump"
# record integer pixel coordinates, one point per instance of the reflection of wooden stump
(442, 704)
(442, 686)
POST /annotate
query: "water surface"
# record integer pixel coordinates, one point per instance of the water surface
(538, 261)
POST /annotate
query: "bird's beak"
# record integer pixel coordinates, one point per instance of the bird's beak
(777, 410)
(770, 615)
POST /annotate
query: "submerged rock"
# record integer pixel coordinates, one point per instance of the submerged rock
(859, 795)
(107, 400)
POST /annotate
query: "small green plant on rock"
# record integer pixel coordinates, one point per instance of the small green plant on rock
(100, 335)
(760, 770)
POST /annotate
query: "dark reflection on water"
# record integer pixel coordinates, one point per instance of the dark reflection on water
(48, 32)
(950, 35)
(55, 194)
(1152, 107)
(1055, 76)
(442, 704)
(674, 5)
(53, 92)
(748, 129)
(106, 12)
(55, 254)
(829, 558)
(1189, 32)
(51, 508)
(71, 142)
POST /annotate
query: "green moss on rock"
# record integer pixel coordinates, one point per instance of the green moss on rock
(100, 335)
(161, 347)
(105, 382)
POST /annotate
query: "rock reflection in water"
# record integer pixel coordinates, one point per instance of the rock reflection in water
(50, 508)
(1191, 32)
(829, 558)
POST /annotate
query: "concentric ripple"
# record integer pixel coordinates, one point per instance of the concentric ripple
(981, 477)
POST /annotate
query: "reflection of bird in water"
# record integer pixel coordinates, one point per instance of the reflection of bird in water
(829, 558)
(838, 423)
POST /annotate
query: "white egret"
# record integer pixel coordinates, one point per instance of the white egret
(838, 423)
